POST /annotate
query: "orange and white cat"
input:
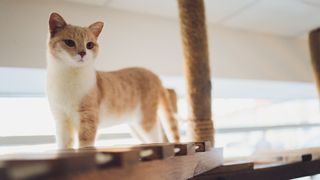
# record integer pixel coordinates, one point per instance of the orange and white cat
(83, 99)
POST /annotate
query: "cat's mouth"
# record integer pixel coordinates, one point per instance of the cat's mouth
(81, 60)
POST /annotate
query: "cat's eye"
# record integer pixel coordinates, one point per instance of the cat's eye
(69, 42)
(90, 45)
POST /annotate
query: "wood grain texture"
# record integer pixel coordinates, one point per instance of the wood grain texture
(278, 172)
(203, 146)
(42, 166)
(228, 168)
(146, 161)
(54, 165)
(185, 149)
(174, 168)
(139, 152)
(159, 151)
(120, 157)
(197, 69)
(314, 45)
(3, 174)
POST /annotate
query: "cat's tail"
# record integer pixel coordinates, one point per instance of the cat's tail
(169, 122)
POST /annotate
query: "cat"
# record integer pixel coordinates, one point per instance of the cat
(82, 99)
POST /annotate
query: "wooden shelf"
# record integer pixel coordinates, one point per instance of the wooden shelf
(149, 161)
(266, 172)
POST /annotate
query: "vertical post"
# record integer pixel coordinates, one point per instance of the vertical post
(314, 45)
(197, 69)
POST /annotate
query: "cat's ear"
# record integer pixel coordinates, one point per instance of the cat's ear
(96, 28)
(56, 23)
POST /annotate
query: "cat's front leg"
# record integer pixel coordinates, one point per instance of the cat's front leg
(65, 133)
(87, 128)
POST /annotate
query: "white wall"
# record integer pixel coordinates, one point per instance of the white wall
(138, 40)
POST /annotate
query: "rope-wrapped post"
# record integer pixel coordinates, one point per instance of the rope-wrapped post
(314, 44)
(197, 69)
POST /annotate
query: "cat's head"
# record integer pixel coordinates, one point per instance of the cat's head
(73, 45)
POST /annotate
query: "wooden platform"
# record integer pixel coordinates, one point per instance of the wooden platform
(151, 161)
(196, 160)
(249, 172)
(269, 165)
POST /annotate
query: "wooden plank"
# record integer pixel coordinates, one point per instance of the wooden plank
(182, 149)
(172, 168)
(33, 166)
(285, 171)
(203, 146)
(192, 147)
(157, 151)
(231, 168)
(114, 163)
(287, 156)
(278, 156)
(39, 166)
(146, 152)
(120, 157)
(3, 174)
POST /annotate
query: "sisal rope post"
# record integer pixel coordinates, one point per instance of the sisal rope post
(197, 69)
(314, 45)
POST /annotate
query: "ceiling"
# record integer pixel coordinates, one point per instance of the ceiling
(293, 18)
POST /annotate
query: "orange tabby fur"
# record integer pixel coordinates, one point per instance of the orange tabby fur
(79, 96)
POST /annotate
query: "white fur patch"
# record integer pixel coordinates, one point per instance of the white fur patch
(108, 118)
(66, 87)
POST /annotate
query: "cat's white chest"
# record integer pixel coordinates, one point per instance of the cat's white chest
(67, 89)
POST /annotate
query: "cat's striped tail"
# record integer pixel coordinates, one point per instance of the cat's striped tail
(169, 122)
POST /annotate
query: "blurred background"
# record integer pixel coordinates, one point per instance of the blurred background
(264, 96)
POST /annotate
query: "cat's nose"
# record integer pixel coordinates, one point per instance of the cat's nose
(82, 53)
